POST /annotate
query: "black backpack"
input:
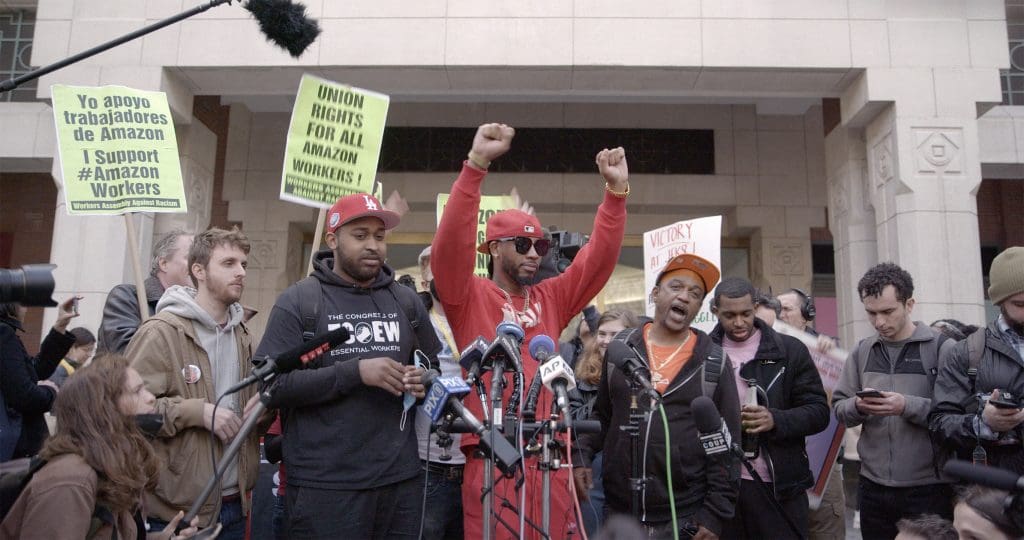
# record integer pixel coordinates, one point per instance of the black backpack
(311, 298)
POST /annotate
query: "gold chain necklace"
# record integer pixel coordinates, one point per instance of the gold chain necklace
(667, 359)
(526, 300)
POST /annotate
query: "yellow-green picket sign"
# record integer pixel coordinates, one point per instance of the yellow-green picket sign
(118, 151)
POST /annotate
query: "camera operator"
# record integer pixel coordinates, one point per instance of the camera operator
(26, 392)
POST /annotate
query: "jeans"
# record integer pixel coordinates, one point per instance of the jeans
(391, 511)
(231, 520)
(593, 510)
(443, 517)
(882, 506)
(280, 519)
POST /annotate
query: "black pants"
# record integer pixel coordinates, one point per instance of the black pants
(756, 516)
(882, 506)
(391, 511)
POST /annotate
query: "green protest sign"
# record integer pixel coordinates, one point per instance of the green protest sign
(334, 141)
(489, 205)
(118, 152)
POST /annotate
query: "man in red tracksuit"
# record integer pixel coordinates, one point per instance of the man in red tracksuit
(475, 306)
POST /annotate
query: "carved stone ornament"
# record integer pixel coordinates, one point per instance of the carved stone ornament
(263, 254)
(938, 151)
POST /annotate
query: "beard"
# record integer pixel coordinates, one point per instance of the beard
(1016, 326)
(511, 269)
(356, 271)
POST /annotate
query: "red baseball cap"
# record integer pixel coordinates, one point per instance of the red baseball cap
(359, 205)
(509, 224)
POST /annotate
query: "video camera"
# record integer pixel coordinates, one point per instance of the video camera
(565, 246)
(32, 286)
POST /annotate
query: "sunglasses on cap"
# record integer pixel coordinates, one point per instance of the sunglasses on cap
(523, 244)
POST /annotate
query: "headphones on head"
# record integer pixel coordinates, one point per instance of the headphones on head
(807, 308)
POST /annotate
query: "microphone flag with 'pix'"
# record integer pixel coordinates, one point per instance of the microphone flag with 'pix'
(444, 388)
(713, 433)
(506, 457)
(266, 368)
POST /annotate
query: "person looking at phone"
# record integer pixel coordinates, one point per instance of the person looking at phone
(886, 387)
(984, 412)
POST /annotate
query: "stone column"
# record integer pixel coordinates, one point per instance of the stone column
(924, 173)
(852, 222)
(252, 181)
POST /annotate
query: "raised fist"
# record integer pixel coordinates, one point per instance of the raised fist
(612, 164)
(492, 141)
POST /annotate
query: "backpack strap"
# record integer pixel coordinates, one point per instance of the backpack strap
(311, 296)
(410, 302)
(975, 350)
(712, 370)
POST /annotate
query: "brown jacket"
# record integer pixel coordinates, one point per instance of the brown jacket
(59, 502)
(160, 351)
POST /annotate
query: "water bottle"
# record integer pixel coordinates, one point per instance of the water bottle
(750, 442)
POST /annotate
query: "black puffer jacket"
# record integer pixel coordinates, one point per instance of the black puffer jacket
(954, 419)
(783, 368)
(19, 378)
(121, 314)
(705, 488)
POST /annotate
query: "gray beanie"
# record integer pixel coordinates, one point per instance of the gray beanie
(1006, 277)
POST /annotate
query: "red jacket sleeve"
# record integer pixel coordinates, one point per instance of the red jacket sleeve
(453, 252)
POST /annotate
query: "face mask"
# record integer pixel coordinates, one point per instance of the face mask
(150, 424)
(408, 400)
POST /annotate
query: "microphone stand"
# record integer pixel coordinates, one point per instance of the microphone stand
(497, 387)
(637, 482)
(11, 84)
(224, 463)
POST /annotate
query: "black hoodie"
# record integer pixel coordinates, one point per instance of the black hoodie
(338, 432)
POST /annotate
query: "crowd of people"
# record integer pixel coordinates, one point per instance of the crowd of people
(141, 428)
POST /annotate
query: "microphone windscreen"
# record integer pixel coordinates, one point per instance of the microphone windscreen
(541, 347)
(705, 415)
(512, 329)
(473, 353)
(981, 474)
(296, 357)
(617, 353)
(285, 23)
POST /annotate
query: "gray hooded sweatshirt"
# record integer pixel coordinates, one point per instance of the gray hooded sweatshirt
(221, 347)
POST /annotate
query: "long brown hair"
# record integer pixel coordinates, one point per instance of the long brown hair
(591, 362)
(90, 423)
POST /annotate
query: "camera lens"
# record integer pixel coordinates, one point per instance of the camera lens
(32, 285)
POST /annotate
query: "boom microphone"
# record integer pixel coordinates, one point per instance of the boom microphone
(985, 476)
(266, 368)
(285, 24)
(714, 434)
(625, 358)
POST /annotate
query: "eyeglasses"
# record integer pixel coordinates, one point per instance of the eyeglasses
(523, 244)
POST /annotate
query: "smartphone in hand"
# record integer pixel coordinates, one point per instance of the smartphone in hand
(870, 394)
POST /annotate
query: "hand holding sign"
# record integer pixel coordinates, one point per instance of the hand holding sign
(613, 167)
(492, 141)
